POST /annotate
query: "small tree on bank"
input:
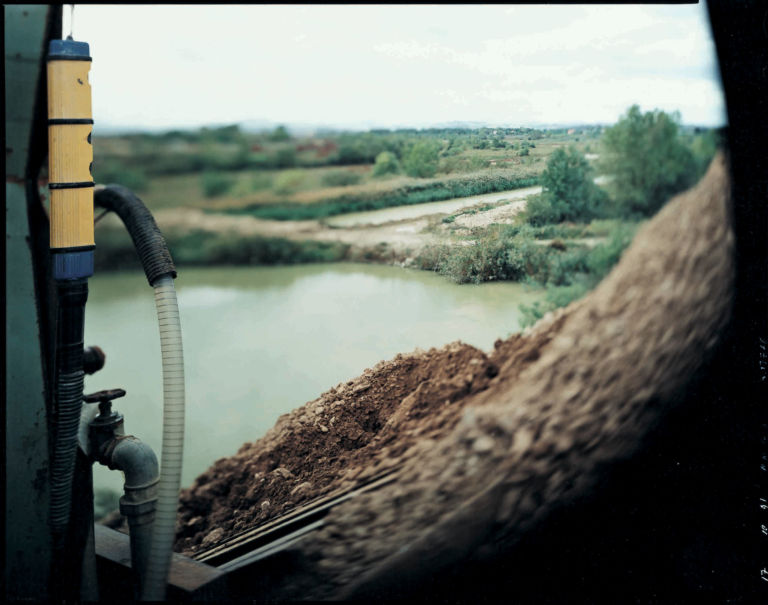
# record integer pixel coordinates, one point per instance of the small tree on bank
(421, 160)
(568, 191)
(647, 161)
(386, 163)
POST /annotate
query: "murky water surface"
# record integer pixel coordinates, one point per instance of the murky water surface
(260, 341)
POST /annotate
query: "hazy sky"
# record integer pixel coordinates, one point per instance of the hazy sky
(399, 65)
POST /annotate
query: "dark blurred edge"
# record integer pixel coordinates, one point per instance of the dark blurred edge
(740, 31)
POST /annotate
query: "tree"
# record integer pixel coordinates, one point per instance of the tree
(279, 134)
(704, 146)
(647, 160)
(421, 160)
(386, 163)
(568, 191)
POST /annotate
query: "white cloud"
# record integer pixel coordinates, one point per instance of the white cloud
(185, 65)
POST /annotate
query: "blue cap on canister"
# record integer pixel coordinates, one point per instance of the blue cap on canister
(63, 49)
(72, 265)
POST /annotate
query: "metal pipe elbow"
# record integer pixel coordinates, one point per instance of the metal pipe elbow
(139, 464)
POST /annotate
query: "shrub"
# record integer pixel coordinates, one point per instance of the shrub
(279, 134)
(569, 193)
(421, 160)
(703, 147)
(386, 163)
(341, 178)
(602, 258)
(647, 160)
(216, 183)
(285, 158)
(288, 181)
(431, 257)
(575, 275)
(539, 211)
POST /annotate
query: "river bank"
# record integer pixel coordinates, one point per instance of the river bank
(390, 236)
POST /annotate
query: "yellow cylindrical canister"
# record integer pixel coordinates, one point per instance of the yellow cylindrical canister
(69, 228)
(70, 150)
(69, 92)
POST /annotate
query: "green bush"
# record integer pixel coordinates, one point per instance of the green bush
(602, 258)
(216, 183)
(421, 160)
(431, 257)
(288, 181)
(279, 134)
(540, 211)
(511, 252)
(341, 178)
(648, 161)
(575, 276)
(386, 163)
(284, 158)
(704, 146)
(569, 193)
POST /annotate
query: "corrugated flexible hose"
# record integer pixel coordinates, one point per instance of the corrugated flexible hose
(164, 529)
(160, 271)
(69, 400)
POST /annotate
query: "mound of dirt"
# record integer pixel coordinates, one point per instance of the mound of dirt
(351, 432)
(487, 446)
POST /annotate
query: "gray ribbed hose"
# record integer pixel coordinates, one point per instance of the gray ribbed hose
(164, 530)
(160, 271)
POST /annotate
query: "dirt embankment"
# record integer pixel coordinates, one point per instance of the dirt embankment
(487, 446)
(351, 432)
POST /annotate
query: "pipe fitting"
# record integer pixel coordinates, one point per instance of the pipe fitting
(139, 465)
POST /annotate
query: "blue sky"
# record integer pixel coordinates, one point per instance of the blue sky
(159, 67)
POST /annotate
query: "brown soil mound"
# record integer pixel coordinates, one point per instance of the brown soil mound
(487, 446)
(351, 432)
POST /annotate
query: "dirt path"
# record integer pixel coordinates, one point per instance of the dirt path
(375, 238)
(396, 241)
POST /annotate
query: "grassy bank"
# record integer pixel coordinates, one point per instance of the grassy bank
(115, 250)
(511, 252)
(416, 193)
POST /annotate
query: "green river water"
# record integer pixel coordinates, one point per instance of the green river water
(261, 341)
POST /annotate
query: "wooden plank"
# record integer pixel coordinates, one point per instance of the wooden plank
(187, 578)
